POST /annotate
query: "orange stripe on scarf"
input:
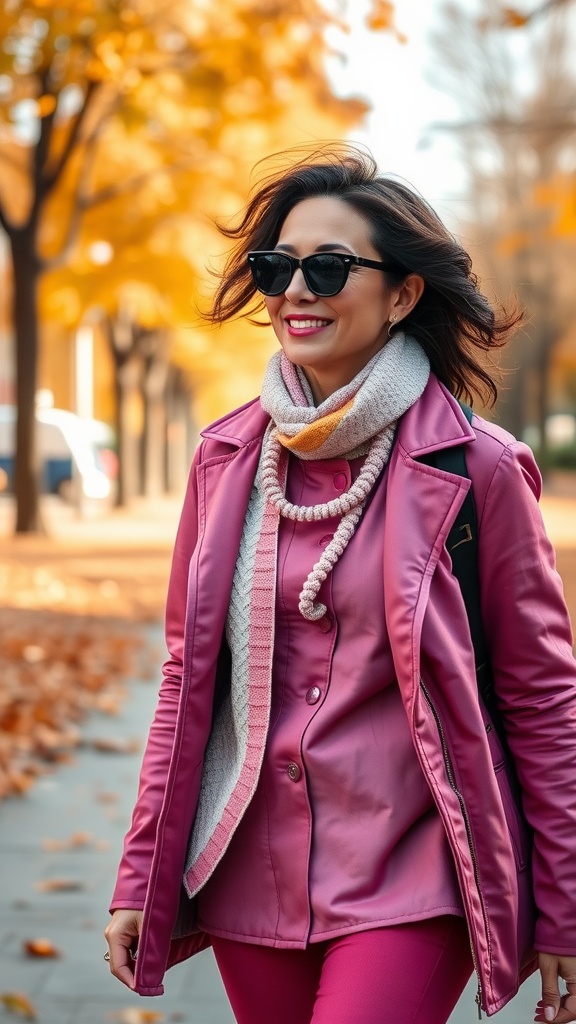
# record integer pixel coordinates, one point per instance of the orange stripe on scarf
(314, 435)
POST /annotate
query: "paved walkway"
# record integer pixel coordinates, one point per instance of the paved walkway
(68, 829)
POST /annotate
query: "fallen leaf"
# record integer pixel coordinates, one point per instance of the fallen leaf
(40, 948)
(53, 845)
(104, 797)
(133, 1015)
(33, 652)
(114, 745)
(76, 841)
(110, 703)
(17, 1002)
(80, 839)
(60, 885)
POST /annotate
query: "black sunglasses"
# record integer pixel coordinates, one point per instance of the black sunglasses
(325, 273)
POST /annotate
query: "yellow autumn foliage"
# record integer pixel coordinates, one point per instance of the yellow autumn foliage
(143, 123)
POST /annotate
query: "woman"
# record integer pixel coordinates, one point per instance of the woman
(323, 799)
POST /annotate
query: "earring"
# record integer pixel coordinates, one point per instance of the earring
(392, 323)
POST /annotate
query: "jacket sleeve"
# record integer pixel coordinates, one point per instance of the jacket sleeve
(530, 639)
(134, 869)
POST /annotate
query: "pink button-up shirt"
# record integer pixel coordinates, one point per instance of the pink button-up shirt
(342, 833)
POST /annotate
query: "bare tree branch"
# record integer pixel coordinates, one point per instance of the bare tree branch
(40, 154)
(544, 8)
(51, 179)
(90, 143)
(130, 185)
(505, 124)
(511, 17)
(60, 258)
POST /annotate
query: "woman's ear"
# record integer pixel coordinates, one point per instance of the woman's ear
(409, 294)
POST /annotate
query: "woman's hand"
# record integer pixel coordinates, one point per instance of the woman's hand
(123, 929)
(553, 1006)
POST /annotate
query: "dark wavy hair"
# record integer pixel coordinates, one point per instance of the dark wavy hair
(453, 320)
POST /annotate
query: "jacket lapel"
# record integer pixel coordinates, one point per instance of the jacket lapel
(422, 504)
(225, 480)
(224, 488)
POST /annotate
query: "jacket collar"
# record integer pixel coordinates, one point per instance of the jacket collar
(240, 427)
(435, 421)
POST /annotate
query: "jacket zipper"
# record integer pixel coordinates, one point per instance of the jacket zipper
(454, 787)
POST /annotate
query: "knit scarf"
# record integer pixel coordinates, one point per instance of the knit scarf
(357, 419)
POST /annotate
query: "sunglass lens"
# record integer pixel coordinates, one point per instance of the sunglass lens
(326, 273)
(272, 273)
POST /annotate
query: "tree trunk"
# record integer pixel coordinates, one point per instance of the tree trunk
(180, 443)
(126, 382)
(154, 438)
(26, 272)
(511, 405)
(547, 341)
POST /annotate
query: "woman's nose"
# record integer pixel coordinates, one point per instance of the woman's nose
(298, 290)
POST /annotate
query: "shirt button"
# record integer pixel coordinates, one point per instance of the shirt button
(340, 481)
(294, 771)
(313, 695)
(325, 623)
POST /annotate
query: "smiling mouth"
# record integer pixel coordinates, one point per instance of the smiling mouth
(307, 324)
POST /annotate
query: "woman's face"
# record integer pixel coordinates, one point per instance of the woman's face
(333, 338)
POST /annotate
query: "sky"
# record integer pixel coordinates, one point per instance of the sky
(395, 78)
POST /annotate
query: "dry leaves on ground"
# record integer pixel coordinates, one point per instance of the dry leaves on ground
(18, 1004)
(77, 841)
(61, 885)
(70, 637)
(69, 585)
(54, 669)
(114, 745)
(41, 948)
(133, 1015)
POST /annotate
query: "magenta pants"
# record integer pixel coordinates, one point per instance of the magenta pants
(409, 974)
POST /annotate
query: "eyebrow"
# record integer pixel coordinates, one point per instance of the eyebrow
(325, 247)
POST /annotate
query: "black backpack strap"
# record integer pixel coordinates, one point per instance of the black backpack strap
(462, 545)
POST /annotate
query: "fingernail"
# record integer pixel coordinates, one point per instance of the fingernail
(549, 1013)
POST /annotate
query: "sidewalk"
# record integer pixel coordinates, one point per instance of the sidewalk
(59, 849)
(149, 520)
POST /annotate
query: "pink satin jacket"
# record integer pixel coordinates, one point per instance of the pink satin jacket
(517, 895)
(338, 745)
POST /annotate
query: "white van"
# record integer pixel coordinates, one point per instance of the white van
(69, 453)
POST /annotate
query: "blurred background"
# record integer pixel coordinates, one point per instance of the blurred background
(126, 131)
